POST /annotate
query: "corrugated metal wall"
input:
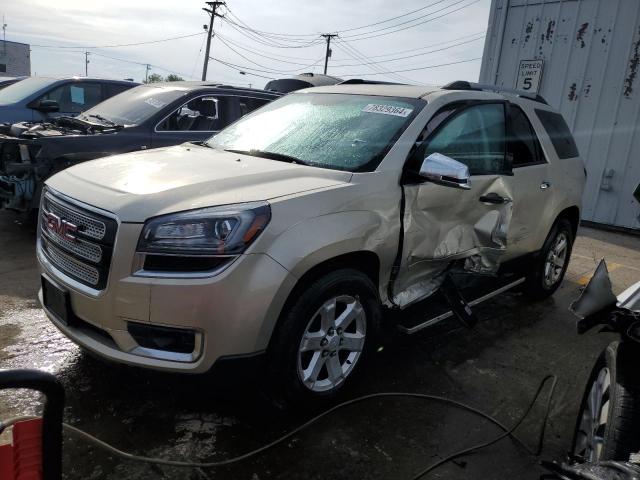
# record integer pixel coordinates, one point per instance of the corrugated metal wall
(591, 53)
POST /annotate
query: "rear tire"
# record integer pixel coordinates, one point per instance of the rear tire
(549, 266)
(324, 337)
(608, 423)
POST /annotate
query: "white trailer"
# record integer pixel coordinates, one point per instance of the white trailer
(583, 57)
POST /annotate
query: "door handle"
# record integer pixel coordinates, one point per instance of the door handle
(544, 185)
(494, 198)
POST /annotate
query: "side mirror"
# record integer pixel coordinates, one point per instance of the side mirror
(445, 171)
(47, 106)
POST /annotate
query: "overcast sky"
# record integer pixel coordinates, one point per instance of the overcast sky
(91, 23)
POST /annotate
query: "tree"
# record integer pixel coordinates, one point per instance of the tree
(172, 77)
(154, 78)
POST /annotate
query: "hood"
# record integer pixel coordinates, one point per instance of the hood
(11, 113)
(139, 185)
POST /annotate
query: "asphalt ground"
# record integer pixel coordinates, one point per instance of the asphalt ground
(495, 367)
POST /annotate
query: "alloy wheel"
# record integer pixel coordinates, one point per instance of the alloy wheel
(590, 437)
(555, 261)
(332, 343)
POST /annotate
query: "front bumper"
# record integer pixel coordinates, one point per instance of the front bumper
(232, 313)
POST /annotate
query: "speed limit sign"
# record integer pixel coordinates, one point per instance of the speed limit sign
(529, 75)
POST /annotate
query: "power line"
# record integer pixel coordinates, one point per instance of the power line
(264, 54)
(352, 37)
(357, 55)
(264, 66)
(265, 41)
(195, 64)
(430, 46)
(267, 36)
(413, 69)
(406, 21)
(159, 67)
(121, 44)
(338, 31)
(241, 67)
(414, 55)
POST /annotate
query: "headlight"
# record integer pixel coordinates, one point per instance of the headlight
(226, 230)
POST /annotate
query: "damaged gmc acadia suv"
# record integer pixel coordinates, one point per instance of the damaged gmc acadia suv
(289, 234)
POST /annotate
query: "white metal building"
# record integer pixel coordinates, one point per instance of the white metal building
(15, 59)
(583, 57)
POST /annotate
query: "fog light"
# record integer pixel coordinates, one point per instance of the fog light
(169, 339)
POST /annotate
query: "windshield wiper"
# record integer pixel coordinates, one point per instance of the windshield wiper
(280, 157)
(105, 120)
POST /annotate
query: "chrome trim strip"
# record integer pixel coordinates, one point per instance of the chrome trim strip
(172, 356)
(139, 271)
(72, 201)
(439, 318)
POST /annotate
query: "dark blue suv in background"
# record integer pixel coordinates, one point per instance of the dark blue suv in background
(38, 99)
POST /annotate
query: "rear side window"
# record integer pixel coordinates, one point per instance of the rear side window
(250, 104)
(523, 142)
(559, 134)
(111, 89)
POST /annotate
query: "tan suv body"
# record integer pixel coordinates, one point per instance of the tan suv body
(292, 230)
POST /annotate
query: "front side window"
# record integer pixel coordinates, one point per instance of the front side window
(476, 137)
(523, 142)
(202, 114)
(336, 131)
(75, 97)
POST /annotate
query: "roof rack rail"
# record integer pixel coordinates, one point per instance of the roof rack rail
(360, 81)
(485, 87)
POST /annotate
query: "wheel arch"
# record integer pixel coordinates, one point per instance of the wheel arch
(364, 261)
(573, 215)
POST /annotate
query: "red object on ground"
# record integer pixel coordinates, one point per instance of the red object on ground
(22, 459)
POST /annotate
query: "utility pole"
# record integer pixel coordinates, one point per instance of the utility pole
(212, 12)
(328, 36)
(146, 74)
(4, 34)
(86, 64)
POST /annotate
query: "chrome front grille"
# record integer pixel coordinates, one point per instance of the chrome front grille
(81, 248)
(91, 227)
(83, 272)
(77, 241)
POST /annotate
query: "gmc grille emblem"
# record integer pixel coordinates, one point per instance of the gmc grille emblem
(62, 227)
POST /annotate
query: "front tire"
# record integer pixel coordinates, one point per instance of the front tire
(609, 420)
(548, 268)
(323, 338)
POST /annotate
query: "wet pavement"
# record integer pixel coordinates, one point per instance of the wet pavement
(496, 367)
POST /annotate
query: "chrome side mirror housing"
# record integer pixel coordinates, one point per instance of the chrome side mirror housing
(445, 171)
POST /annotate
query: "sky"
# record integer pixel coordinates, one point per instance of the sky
(443, 35)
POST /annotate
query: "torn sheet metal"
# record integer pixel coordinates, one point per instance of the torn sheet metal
(442, 225)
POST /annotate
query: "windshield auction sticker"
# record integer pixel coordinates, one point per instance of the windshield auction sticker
(155, 102)
(387, 110)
